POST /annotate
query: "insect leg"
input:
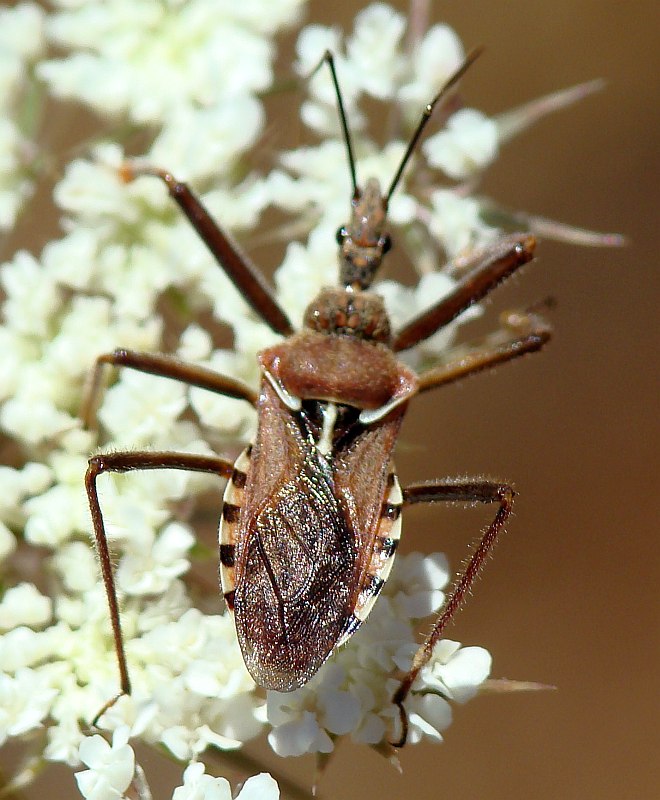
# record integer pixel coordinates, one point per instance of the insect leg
(480, 491)
(127, 462)
(245, 276)
(524, 332)
(488, 270)
(166, 367)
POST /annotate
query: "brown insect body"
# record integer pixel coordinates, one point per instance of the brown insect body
(311, 539)
(311, 515)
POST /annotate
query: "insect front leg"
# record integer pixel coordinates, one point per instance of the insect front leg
(480, 491)
(165, 367)
(245, 276)
(488, 269)
(128, 462)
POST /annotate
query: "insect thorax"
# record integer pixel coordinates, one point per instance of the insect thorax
(342, 355)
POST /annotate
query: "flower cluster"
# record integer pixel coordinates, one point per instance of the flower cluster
(112, 770)
(129, 271)
(22, 43)
(352, 695)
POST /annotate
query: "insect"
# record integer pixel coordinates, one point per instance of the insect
(311, 512)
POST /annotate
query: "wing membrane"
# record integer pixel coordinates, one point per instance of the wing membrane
(305, 540)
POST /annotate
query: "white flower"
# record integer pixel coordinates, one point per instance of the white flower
(21, 43)
(94, 192)
(467, 145)
(259, 787)
(374, 49)
(320, 113)
(111, 767)
(197, 785)
(7, 541)
(418, 583)
(147, 60)
(15, 186)
(203, 143)
(157, 561)
(25, 700)
(24, 605)
(17, 484)
(323, 188)
(439, 54)
(461, 672)
(429, 716)
(76, 566)
(453, 673)
(32, 297)
(64, 740)
(140, 406)
(21, 32)
(233, 420)
(296, 282)
(457, 223)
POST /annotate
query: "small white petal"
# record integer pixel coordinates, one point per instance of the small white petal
(432, 715)
(111, 766)
(25, 700)
(341, 712)
(7, 542)
(301, 736)
(465, 672)
(437, 57)
(202, 143)
(374, 49)
(456, 222)
(468, 144)
(21, 30)
(199, 786)
(24, 605)
(260, 787)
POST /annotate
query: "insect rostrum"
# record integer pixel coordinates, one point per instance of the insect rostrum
(311, 516)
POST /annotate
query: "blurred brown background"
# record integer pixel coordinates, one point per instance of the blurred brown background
(571, 597)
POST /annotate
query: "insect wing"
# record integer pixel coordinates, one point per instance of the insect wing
(304, 539)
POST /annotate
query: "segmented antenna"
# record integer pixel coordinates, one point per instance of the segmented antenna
(330, 60)
(426, 116)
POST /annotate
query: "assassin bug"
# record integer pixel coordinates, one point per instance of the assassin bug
(311, 513)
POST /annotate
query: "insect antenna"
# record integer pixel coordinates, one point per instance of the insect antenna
(426, 116)
(329, 59)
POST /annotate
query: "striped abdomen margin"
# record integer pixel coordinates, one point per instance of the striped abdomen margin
(232, 502)
(386, 541)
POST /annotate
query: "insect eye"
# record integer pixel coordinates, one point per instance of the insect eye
(341, 234)
(386, 243)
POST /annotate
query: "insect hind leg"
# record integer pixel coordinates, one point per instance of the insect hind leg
(480, 491)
